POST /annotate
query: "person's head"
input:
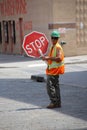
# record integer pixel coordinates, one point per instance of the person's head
(55, 35)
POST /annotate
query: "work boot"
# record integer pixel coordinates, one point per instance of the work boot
(51, 106)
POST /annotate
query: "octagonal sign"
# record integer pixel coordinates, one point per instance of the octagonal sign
(34, 43)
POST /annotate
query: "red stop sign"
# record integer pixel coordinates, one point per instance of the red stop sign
(33, 42)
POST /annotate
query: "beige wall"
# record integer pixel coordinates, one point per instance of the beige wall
(81, 34)
(64, 10)
(44, 16)
(63, 13)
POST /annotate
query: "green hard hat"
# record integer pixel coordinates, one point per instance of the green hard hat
(55, 34)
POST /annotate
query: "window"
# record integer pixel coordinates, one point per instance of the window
(0, 34)
(5, 25)
(14, 35)
(12, 31)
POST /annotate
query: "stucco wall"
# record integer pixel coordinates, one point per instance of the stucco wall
(45, 16)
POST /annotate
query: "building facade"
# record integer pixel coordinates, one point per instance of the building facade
(20, 17)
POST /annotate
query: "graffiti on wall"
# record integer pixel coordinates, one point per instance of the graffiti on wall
(12, 7)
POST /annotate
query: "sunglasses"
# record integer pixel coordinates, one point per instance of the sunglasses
(54, 38)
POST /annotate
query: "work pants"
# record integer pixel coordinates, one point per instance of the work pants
(53, 89)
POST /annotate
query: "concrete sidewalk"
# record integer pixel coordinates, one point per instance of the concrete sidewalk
(76, 59)
(23, 107)
(68, 60)
(23, 101)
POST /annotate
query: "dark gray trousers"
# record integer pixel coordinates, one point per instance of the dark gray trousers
(53, 89)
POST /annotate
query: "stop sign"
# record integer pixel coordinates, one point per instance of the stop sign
(33, 42)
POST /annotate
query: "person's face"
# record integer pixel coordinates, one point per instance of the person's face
(54, 40)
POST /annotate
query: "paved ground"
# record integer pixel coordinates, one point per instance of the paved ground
(23, 101)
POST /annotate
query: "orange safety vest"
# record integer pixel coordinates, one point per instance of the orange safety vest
(55, 68)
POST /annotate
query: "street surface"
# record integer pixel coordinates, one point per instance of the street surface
(23, 101)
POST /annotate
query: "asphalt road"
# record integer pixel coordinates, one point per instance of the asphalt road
(23, 101)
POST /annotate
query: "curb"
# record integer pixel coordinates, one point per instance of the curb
(83, 62)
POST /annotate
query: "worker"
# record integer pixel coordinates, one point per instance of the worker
(55, 67)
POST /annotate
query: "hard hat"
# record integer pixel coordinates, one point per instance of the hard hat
(55, 34)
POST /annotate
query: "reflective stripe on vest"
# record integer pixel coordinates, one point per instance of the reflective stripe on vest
(55, 64)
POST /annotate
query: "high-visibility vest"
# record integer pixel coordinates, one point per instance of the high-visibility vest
(55, 68)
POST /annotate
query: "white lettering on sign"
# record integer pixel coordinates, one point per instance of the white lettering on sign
(42, 39)
(33, 46)
(37, 44)
(29, 49)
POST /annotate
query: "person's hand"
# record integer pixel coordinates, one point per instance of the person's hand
(45, 58)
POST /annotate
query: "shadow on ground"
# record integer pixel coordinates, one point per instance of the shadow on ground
(15, 58)
(74, 98)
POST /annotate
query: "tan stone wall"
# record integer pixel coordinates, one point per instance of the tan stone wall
(81, 18)
(63, 14)
(64, 10)
(69, 16)
(40, 12)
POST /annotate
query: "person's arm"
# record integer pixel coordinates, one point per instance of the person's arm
(57, 58)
